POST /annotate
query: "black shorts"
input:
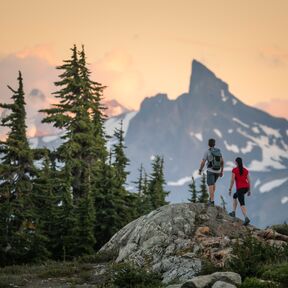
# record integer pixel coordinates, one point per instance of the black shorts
(240, 193)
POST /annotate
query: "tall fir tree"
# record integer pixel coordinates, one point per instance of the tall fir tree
(80, 113)
(20, 238)
(156, 183)
(203, 190)
(193, 191)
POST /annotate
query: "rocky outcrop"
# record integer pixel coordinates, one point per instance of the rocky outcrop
(175, 239)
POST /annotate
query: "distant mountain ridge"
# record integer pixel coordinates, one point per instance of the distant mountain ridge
(179, 130)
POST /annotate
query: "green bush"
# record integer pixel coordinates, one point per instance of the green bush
(281, 228)
(130, 276)
(256, 283)
(278, 273)
(250, 255)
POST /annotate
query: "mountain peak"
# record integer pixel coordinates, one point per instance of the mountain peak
(199, 73)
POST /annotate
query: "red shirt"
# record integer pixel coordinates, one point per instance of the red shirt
(241, 180)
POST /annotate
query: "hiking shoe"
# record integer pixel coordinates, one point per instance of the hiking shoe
(232, 214)
(246, 222)
(211, 203)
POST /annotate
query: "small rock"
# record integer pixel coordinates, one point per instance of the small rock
(209, 280)
(221, 284)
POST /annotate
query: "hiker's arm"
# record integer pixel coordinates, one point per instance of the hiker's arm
(202, 164)
(231, 183)
(222, 166)
(249, 182)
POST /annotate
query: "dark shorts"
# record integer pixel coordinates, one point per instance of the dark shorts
(212, 178)
(240, 193)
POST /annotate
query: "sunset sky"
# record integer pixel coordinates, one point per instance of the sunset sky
(139, 48)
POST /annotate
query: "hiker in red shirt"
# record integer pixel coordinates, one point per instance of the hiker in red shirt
(240, 176)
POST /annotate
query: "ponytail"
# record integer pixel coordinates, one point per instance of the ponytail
(239, 164)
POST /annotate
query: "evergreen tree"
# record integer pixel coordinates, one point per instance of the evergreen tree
(106, 203)
(204, 196)
(193, 191)
(156, 183)
(147, 205)
(80, 113)
(20, 237)
(139, 192)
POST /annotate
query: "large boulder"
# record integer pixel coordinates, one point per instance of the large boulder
(175, 239)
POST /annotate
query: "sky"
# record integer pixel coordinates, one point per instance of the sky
(142, 47)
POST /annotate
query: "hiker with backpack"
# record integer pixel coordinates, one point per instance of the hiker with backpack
(240, 175)
(215, 165)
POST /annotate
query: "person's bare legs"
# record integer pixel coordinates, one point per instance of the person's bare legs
(244, 211)
(212, 189)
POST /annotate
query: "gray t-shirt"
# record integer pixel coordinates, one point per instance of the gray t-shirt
(208, 157)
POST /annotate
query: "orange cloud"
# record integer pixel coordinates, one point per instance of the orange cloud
(124, 83)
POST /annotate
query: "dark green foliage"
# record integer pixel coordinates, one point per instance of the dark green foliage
(130, 276)
(257, 283)
(204, 196)
(251, 254)
(156, 184)
(193, 191)
(277, 273)
(281, 228)
(20, 239)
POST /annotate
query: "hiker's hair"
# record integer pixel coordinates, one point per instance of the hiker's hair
(211, 142)
(239, 164)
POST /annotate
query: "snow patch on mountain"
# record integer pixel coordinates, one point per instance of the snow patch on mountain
(180, 182)
(248, 148)
(231, 147)
(270, 131)
(284, 200)
(112, 123)
(223, 96)
(240, 122)
(196, 135)
(230, 131)
(257, 183)
(33, 142)
(255, 129)
(50, 138)
(218, 133)
(272, 185)
(272, 154)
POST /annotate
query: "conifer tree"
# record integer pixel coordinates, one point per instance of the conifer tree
(156, 183)
(147, 205)
(80, 113)
(203, 190)
(193, 191)
(17, 173)
(106, 202)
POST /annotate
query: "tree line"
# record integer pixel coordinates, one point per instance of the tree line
(64, 203)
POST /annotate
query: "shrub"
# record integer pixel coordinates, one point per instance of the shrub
(251, 254)
(256, 283)
(278, 273)
(130, 276)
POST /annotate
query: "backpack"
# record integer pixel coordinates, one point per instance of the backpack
(214, 158)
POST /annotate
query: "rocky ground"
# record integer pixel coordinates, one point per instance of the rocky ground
(175, 241)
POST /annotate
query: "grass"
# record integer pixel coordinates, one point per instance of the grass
(20, 275)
